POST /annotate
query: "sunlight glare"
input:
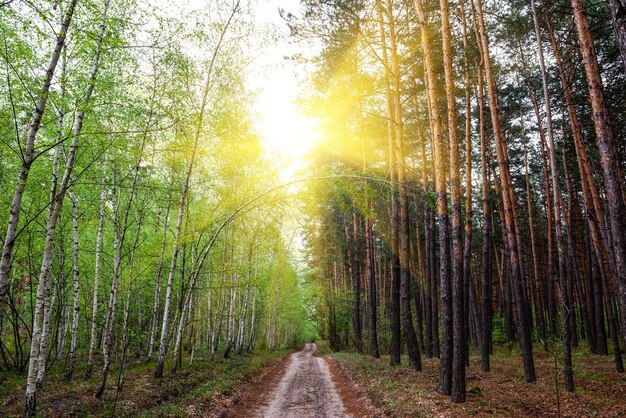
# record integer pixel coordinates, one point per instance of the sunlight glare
(286, 133)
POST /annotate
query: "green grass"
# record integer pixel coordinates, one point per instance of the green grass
(189, 390)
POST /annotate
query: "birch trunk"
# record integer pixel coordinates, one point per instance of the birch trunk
(251, 337)
(94, 306)
(121, 227)
(27, 161)
(112, 305)
(181, 204)
(125, 336)
(75, 272)
(159, 271)
(55, 211)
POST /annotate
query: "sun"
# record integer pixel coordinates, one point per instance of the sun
(286, 133)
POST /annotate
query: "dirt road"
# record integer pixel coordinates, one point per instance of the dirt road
(306, 389)
(303, 386)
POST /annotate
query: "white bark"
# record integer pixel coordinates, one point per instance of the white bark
(157, 286)
(75, 272)
(120, 235)
(244, 316)
(181, 205)
(28, 158)
(209, 327)
(48, 302)
(112, 307)
(94, 307)
(252, 335)
(55, 211)
(125, 340)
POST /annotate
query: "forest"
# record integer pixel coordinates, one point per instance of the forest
(438, 204)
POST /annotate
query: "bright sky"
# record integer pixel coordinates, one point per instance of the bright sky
(286, 133)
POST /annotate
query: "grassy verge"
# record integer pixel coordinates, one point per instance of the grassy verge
(407, 393)
(185, 393)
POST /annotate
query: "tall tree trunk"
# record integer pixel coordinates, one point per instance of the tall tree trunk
(533, 241)
(551, 309)
(96, 279)
(606, 148)
(71, 362)
(163, 345)
(159, 271)
(129, 294)
(356, 285)
(458, 289)
(27, 160)
(618, 17)
(486, 250)
(556, 193)
(445, 380)
(395, 215)
(470, 300)
(121, 227)
(429, 313)
(508, 201)
(55, 210)
(404, 226)
(486, 331)
(371, 282)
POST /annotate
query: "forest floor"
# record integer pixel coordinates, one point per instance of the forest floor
(311, 383)
(189, 392)
(404, 392)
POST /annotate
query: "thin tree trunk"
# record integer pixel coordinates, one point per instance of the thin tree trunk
(470, 300)
(131, 278)
(27, 160)
(533, 241)
(486, 228)
(458, 297)
(556, 192)
(445, 379)
(428, 259)
(55, 210)
(513, 250)
(75, 272)
(159, 271)
(183, 197)
(404, 233)
(253, 320)
(607, 150)
(395, 216)
(121, 226)
(94, 306)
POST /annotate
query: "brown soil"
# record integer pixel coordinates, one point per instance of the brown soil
(301, 385)
(246, 399)
(355, 400)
